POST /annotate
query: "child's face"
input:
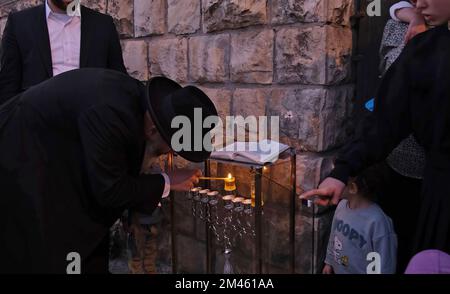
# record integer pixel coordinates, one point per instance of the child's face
(436, 12)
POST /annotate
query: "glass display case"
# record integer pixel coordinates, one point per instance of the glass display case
(240, 219)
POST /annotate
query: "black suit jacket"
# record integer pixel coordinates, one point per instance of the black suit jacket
(25, 53)
(72, 149)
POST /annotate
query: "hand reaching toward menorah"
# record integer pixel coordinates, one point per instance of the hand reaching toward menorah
(183, 180)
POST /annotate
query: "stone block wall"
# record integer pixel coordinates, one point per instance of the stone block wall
(288, 58)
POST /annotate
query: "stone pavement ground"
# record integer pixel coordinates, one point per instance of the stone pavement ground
(137, 252)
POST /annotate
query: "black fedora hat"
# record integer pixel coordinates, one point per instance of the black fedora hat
(166, 100)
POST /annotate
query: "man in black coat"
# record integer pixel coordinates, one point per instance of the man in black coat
(43, 41)
(71, 154)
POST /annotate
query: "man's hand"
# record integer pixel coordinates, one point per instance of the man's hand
(183, 180)
(327, 270)
(416, 26)
(330, 190)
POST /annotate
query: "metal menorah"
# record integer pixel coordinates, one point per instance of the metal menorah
(227, 216)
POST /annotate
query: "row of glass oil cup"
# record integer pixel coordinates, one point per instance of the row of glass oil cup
(229, 217)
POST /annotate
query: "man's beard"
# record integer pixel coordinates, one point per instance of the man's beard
(152, 158)
(60, 4)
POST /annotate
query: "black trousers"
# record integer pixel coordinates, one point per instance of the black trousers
(98, 261)
(401, 200)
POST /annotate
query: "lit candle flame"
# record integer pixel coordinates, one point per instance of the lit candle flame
(230, 183)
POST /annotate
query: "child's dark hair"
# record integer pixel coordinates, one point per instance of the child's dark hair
(371, 182)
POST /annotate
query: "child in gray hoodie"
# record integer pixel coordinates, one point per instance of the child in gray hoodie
(362, 238)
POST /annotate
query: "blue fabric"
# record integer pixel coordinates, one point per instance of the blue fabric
(370, 105)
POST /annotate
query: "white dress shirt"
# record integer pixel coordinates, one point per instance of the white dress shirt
(64, 33)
